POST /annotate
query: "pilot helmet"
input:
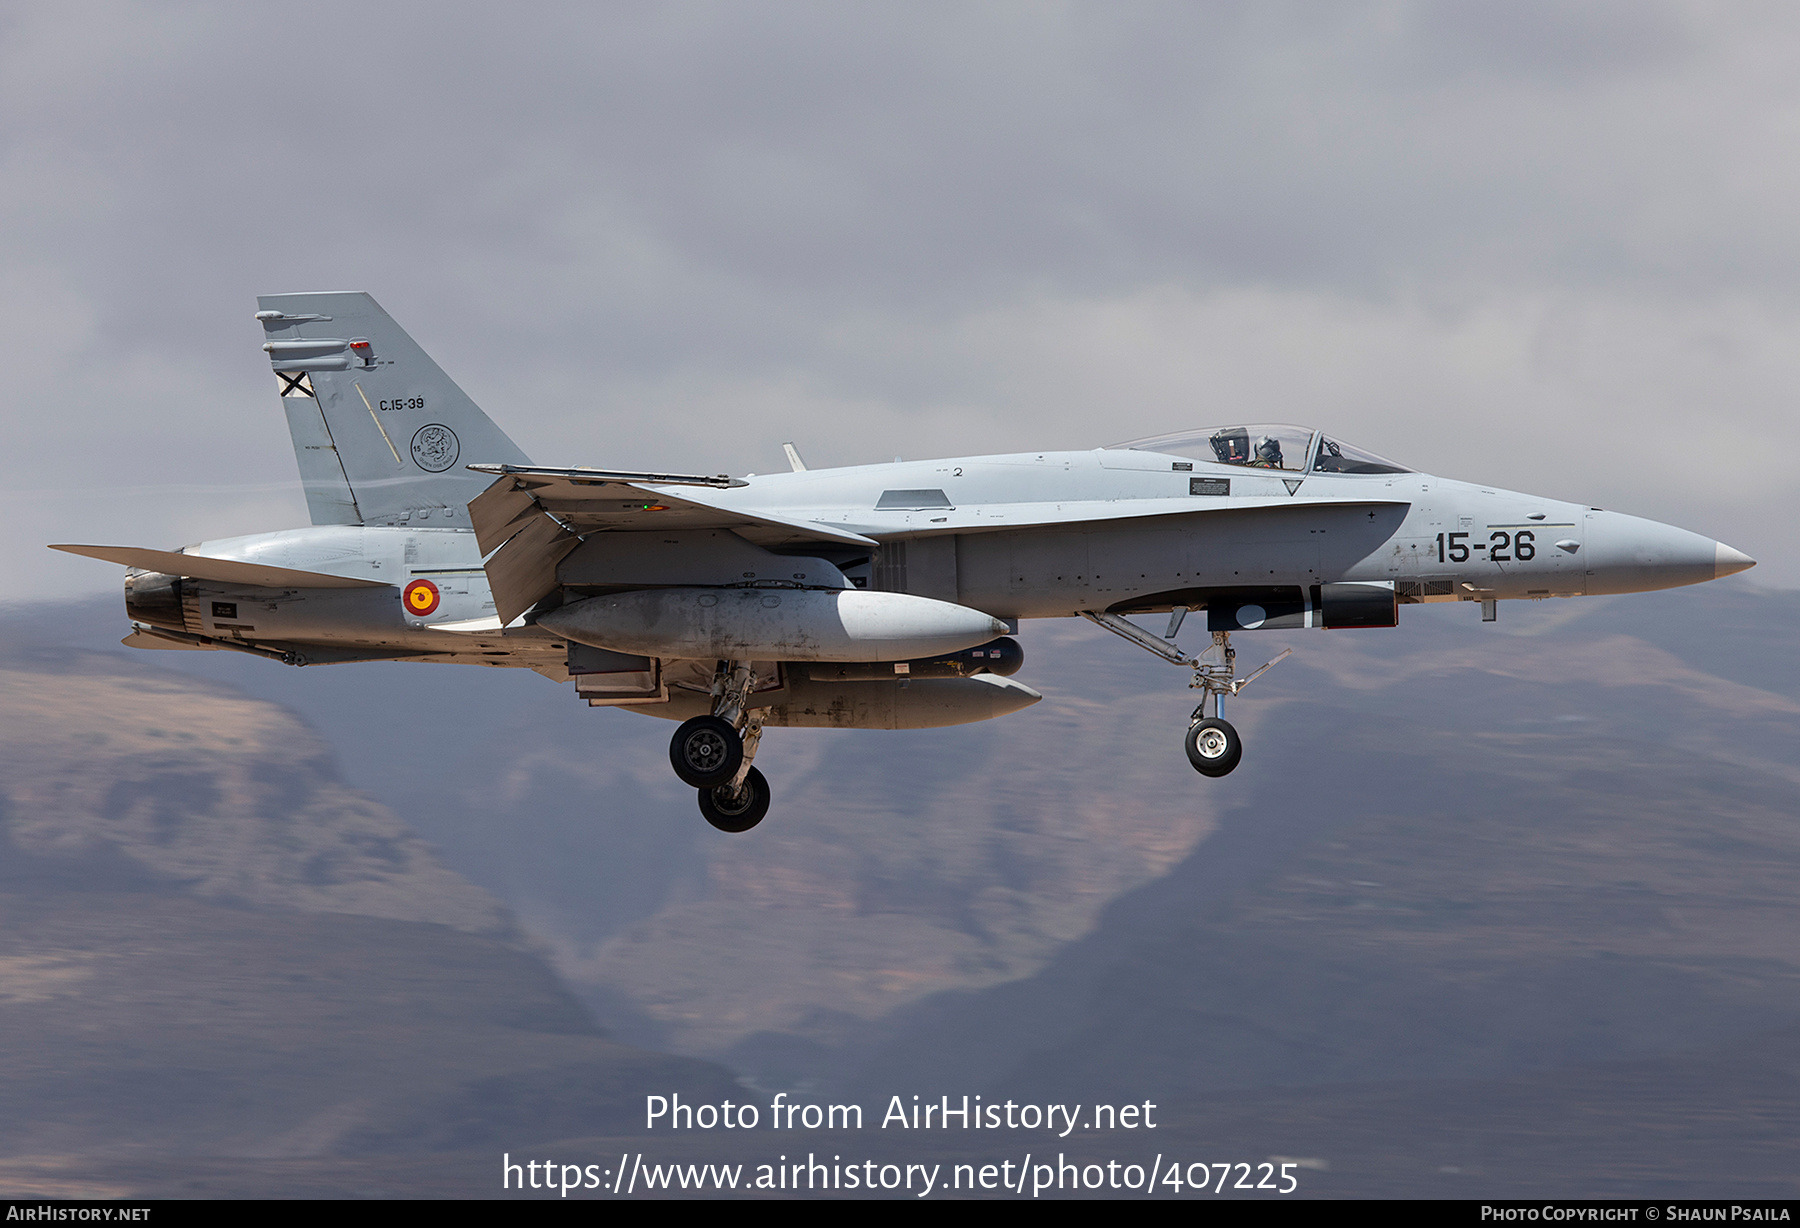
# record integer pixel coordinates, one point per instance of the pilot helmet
(1268, 450)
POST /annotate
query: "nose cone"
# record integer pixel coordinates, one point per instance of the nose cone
(1626, 554)
(1728, 562)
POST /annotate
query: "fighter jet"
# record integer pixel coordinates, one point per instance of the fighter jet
(871, 597)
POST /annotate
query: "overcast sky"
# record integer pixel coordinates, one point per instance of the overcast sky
(1554, 247)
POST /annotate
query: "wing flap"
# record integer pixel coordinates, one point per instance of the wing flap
(523, 571)
(225, 571)
(500, 511)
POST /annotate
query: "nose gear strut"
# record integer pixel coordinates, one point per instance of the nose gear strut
(1213, 745)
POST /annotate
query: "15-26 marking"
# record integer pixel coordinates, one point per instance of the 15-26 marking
(1501, 546)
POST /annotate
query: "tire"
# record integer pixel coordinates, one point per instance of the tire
(742, 812)
(1213, 747)
(706, 752)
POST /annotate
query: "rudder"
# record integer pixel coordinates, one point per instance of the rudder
(381, 434)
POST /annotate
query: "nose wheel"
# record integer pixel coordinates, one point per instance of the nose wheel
(1213, 746)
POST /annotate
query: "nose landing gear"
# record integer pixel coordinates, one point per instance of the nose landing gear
(1212, 742)
(1213, 746)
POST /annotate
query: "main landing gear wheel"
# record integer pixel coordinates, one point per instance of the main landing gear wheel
(706, 752)
(1213, 746)
(740, 809)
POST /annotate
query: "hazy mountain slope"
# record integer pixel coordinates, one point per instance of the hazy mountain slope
(568, 814)
(209, 945)
(1447, 865)
(132, 1022)
(903, 863)
(1513, 901)
(896, 865)
(197, 788)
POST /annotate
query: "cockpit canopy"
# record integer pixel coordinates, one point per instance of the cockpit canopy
(1293, 449)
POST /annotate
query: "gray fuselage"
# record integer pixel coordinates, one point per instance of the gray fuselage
(1107, 529)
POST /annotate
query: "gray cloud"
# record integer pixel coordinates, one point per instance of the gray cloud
(1541, 244)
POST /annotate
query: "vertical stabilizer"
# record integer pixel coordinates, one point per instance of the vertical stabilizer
(382, 435)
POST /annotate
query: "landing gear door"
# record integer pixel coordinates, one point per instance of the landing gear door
(606, 678)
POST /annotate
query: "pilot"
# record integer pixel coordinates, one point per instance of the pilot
(1268, 453)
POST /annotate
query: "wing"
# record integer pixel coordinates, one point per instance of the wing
(531, 518)
(225, 571)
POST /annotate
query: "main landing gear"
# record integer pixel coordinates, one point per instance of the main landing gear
(1212, 743)
(713, 753)
(737, 808)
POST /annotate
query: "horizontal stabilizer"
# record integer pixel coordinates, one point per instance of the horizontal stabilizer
(142, 638)
(225, 571)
